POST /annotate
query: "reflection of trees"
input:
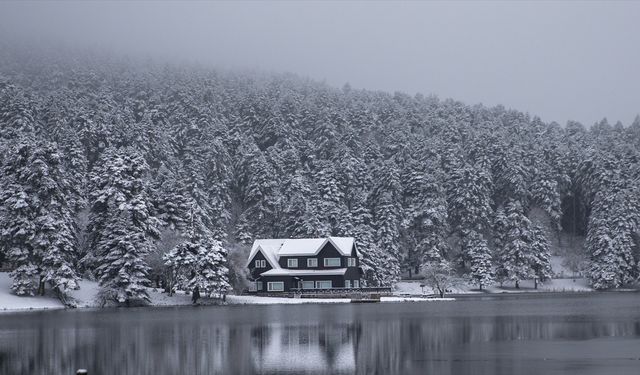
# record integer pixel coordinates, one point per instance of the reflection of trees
(190, 341)
(435, 345)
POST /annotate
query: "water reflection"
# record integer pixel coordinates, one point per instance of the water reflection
(462, 338)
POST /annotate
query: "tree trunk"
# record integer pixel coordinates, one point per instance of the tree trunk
(170, 283)
(41, 287)
(535, 283)
(480, 284)
(517, 284)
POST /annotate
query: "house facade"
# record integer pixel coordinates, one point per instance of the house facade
(284, 265)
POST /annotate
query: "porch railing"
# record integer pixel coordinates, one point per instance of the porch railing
(328, 292)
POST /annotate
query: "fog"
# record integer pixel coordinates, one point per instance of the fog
(558, 60)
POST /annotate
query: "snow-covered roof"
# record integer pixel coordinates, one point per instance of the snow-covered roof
(273, 249)
(290, 272)
(302, 246)
(269, 248)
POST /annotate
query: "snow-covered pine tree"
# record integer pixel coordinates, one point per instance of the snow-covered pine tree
(371, 259)
(386, 219)
(469, 202)
(610, 240)
(37, 227)
(541, 255)
(122, 229)
(330, 197)
(199, 260)
(17, 113)
(259, 193)
(424, 223)
(480, 270)
(300, 217)
(510, 174)
(500, 231)
(515, 259)
(169, 199)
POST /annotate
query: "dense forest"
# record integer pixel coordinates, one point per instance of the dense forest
(130, 172)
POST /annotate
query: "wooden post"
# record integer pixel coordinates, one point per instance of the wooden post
(81, 372)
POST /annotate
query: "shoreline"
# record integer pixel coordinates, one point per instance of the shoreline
(243, 300)
(232, 300)
(405, 291)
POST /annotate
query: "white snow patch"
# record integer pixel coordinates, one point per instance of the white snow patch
(86, 295)
(413, 288)
(301, 246)
(9, 301)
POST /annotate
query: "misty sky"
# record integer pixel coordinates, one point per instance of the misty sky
(561, 61)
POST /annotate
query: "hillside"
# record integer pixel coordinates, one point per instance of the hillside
(168, 155)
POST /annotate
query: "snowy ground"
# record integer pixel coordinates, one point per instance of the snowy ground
(9, 301)
(85, 297)
(405, 291)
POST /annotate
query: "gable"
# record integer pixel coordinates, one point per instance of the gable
(260, 253)
(329, 251)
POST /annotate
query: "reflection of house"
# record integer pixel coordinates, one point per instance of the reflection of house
(279, 265)
(305, 349)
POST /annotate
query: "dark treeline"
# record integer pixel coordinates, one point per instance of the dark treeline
(118, 170)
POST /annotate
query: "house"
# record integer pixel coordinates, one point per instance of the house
(284, 265)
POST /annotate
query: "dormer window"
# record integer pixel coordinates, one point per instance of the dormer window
(261, 263)
(312, 262)
(292, 263)
(351, 262)
(332, 262)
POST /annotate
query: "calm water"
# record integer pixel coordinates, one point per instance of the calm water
(595, 334)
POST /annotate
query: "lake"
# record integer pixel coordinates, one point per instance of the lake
(568, 334)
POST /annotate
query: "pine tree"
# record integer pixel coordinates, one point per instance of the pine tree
(480, 270)
(469, 202)
(37, 227)
(331, 198)
(425, 213)
(300, 217)
(122, 229)
(515, 258)
(259, 194)
(386, 219)
(199, 261)
(541, 259)
(610, 239)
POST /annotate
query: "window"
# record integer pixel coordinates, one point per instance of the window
(356, 283)
(323, 284)
(292, 263)
(332, 262)
(259, 286)
(261, 263)
(347, 283)
(275, 286)
(312, 262)
(308, 285)
(351, 262)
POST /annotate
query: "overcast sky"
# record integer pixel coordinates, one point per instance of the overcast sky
(558, 60)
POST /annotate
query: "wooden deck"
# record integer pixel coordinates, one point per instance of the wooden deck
(368, 293)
